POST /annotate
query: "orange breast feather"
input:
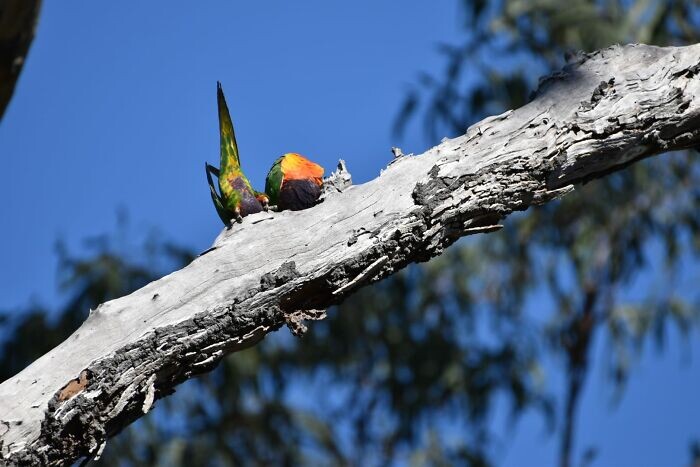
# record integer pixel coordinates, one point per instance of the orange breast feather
(297, 167)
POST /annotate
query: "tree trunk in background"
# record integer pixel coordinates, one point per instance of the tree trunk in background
(18, 19)
(599, 114)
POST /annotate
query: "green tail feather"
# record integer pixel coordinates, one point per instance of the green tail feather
(216, 199)
(230, 160)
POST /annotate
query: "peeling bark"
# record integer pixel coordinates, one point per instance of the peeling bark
(597, 115)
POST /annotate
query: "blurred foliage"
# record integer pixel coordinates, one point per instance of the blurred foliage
(695, 454)
(113, 269)
(510, 44)
(585, 260)
(414, 369)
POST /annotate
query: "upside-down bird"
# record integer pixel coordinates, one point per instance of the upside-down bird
(236, 197)
(294, 182)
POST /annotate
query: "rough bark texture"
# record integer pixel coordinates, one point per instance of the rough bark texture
(599, 114)
(18, 20)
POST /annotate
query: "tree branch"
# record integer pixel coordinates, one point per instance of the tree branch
(18, 20)
(607, 110)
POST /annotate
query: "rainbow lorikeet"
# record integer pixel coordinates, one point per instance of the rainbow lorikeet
(294, 182)
(237, 198)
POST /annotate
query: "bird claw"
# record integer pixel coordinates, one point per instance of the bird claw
(235, 220)
(236, 217)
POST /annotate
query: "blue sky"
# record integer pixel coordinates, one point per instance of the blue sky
(116, 109)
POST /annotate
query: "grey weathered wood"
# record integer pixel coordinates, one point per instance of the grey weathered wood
(605, 111)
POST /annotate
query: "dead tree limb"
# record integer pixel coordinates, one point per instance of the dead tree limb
(599, 114)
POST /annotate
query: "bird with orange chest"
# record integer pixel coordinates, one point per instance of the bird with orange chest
(294, 182)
